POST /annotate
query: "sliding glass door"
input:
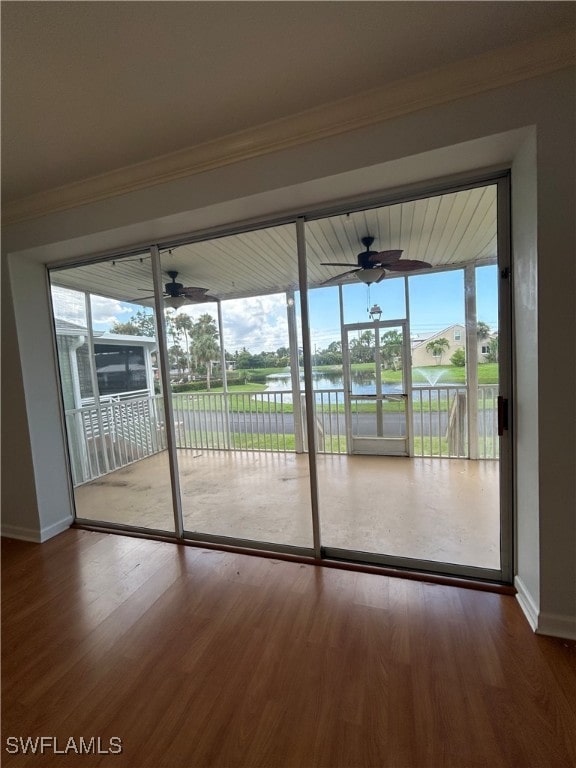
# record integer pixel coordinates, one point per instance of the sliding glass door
(233, 343)
(416, 483)
(114, 413)
(331, 386)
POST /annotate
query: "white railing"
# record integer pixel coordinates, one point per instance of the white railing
(116, 398)
(262, 421)
(488, 442)
(102, 438)
(440, 421)
(114, 434)
(330, 419)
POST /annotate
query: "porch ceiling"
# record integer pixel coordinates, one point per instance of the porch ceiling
(445, 230)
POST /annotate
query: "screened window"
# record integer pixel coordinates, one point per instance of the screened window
(119, 368)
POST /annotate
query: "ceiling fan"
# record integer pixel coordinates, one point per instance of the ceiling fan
(372, 266)
(176, 294)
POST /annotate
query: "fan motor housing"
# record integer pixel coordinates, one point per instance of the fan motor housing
(173, 289)
(364, 259)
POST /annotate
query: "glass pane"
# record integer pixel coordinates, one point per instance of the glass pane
(438, 344)
(387, 296)
(435, 501)
(236, 387)
(488, 367)
(115, 422)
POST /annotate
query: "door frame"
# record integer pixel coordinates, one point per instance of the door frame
(376, 446)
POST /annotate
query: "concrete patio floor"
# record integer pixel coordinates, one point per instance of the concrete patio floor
(444, 510)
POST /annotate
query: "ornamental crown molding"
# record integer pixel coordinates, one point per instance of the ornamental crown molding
(488, 71)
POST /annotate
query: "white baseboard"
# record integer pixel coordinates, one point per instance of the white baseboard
(23, 534)
(554, 624)
(557, 625)
(33, 534)
(527, 603)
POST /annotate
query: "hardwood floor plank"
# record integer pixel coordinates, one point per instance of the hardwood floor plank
(199, 658)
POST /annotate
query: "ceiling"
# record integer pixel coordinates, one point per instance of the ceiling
(92, 87)
(445, 230)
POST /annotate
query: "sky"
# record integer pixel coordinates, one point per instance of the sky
(260, 323)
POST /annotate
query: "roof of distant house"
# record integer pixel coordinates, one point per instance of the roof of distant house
(66, 328)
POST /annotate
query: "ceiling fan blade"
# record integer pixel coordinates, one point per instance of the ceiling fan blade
(193, 291)
(338, 277)
(408, 265)
(204, 299)
(385, 257)
(337, 264)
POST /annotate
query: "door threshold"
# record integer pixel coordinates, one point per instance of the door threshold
(324, 562)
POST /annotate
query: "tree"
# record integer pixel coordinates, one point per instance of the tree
(458, 358)
(176, 358)
(332, 355)
(204, 346)
(183, 324)
(437, 347)
(361, 349)
(482, 330)
(367, 338)
(492, 356)
(140, 324)
(391, 348)
(244, 359)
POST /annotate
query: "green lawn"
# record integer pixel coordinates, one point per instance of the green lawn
(278, 442)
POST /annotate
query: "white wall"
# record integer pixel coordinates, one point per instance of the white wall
(525, 277)
(43, 406)
(19, 507)
(556, 154)
(488, 129)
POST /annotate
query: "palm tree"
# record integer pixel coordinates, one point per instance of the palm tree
(437, 347)
(183, 324)
(204, 346)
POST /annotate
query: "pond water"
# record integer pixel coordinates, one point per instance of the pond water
(363, 383)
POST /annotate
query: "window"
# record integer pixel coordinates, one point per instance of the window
(119, 368)
(457, 335)
(485, 349)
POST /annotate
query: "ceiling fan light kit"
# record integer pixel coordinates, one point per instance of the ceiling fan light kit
(175, 302)
(370, 276)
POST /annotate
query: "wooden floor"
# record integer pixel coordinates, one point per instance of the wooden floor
(200, 658)
(440, 510)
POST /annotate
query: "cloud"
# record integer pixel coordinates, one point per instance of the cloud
(258, 323)
(108, 311)
(70, 305)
